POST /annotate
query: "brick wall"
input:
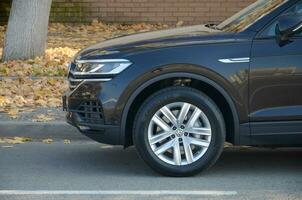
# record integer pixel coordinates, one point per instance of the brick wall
(153, 11)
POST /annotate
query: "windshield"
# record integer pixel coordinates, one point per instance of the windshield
(249, 15)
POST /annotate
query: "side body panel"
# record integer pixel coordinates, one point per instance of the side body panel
(276, 92)
(200, 60)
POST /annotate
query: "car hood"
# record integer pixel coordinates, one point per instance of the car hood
(155, 39)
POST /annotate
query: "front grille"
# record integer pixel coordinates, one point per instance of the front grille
(90, 112)
(73, 83)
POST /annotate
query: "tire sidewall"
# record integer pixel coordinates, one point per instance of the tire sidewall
(165, 97)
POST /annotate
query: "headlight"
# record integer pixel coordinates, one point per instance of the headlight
(100, 67)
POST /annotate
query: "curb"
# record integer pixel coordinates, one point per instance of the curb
(40, 130)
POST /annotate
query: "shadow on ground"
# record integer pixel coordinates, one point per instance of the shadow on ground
(233, 161)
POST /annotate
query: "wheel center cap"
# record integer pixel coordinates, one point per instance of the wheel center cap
(179, 132)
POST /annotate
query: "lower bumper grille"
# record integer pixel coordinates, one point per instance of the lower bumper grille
(73, 83)
(90, 112)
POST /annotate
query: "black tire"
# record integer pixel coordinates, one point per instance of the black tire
(170, 95)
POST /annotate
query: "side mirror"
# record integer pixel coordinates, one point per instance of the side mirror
(287, 26)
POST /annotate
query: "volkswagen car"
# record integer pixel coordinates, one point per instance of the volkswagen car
(178, 95)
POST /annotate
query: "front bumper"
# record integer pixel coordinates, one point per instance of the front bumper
(88, 110)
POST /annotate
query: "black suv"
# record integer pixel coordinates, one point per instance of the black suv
(179, 94)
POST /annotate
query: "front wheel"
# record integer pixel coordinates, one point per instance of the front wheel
(179, 131)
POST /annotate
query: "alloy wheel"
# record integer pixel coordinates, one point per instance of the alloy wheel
(179, 133)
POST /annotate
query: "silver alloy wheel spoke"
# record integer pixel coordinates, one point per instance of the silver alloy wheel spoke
(166, 111)
(160, 137)
(188, 151)
(161, 123)
(199, 131)
(198, 142)
(176, 153)
(194, 117)
(183, 112)
(163, 148)
(179, 133)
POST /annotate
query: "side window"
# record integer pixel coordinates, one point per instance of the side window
(270, 31)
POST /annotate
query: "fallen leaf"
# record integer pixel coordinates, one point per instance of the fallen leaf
(22, 93)
(14, 140)
(42, 118)
(107, 147)
(13, 113)
(180, 23)
(67, 141)
(47, 141)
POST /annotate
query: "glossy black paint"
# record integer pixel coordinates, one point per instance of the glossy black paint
(263, 93)
(276, 80)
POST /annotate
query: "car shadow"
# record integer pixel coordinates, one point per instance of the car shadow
(109, 160)
(115, 161)
(256, 161)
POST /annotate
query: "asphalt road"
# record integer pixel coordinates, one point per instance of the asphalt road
(88, 170)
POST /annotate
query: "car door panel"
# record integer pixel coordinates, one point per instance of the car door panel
(275, 92)
(276, 81)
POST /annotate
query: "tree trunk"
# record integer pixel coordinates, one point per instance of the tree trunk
(27, 29)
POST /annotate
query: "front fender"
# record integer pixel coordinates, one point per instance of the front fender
(131, 96)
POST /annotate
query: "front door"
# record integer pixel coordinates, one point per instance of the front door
(275, 94)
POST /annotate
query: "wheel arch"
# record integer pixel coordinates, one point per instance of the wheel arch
(126, 124)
